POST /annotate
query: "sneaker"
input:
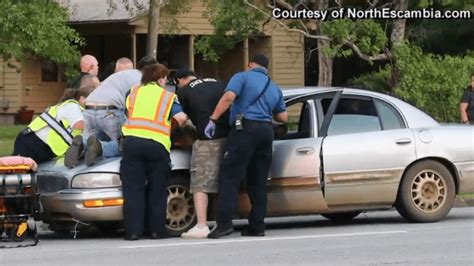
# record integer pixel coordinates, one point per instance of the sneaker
(196, 232)
(218, 232)
(74, 152)
(94, 150)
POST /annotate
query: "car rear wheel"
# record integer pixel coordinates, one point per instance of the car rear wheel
(426, 193)
(340, 217)
(180, 213)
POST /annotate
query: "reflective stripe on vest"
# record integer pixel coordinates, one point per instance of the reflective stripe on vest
(57, 127)
(142, 121)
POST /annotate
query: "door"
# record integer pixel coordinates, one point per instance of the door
(294, 185)
(365, 151)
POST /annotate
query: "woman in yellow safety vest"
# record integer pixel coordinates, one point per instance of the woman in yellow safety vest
(146, 164)
(51, 133)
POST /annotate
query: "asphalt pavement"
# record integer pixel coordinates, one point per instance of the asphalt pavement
(375, 238)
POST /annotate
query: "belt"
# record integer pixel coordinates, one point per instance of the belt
(101, 107)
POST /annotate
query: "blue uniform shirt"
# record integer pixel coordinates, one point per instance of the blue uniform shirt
(247, 86)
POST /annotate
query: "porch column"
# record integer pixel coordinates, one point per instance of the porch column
(246, 53)
(134, 48)
(191, 52)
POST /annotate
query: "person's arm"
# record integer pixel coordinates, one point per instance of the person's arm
(463, 112)
(463, 107)
(233, 90)
(181, 118)
(177, 113)
(281, 117)
(79, 125)
(223, 105)
(279, 112)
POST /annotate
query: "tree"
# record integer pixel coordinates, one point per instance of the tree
(33, 28)
(153, 9)
(335, 37)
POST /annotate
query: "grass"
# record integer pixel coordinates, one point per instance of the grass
(7, 137)
(466, 195)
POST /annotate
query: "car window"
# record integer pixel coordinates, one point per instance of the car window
(299, 121)
(353, 116)
(389, 117)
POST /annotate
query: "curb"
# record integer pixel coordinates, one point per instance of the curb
(460, 202)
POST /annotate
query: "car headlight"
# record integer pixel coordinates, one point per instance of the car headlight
(96, 180)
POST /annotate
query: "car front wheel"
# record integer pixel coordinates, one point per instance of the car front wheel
(426, 193)
(180, 213)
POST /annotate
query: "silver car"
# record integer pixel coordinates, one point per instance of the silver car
(344, 151)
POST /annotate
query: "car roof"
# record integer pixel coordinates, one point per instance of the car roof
(413, 116)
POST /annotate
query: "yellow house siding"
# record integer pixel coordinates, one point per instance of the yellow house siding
(192, 22)
(41, 94)
(10, 83)
(287, 57)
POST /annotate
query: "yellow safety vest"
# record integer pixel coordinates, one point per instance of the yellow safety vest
(149, 109)
(61, 134)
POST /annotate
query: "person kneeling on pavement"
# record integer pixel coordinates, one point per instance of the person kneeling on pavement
(51, 133)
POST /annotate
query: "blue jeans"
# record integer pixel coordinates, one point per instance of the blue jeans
(107, 126)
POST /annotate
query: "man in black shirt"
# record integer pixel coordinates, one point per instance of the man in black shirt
(89, 65)
(198, 98)
(466, 108)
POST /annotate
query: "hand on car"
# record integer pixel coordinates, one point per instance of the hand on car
(210, 129)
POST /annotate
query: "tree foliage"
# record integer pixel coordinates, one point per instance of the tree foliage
(38, 28)
(233, 21)
(433, 83)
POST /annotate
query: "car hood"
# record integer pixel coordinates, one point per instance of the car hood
(57, 166)
(180, 160)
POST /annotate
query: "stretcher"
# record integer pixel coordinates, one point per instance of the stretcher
(18, 203)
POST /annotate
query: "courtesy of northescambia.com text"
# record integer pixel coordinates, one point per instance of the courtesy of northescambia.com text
(383, 13)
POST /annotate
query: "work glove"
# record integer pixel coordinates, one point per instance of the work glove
(210, 129)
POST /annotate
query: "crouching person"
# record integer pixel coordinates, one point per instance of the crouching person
(50, 134)
(146, 164)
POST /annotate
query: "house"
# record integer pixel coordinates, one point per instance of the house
(111, 33)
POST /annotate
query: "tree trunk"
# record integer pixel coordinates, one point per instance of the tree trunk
(398, 30)
(325, 62)
(153, 26)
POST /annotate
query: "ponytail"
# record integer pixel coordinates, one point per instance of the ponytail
(68, 95)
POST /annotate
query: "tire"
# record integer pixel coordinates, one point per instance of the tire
(180, 212)
(341, 217)
(426, 192)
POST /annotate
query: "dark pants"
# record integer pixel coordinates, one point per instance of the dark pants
(30, 145)
(144, 170)
(248, 153)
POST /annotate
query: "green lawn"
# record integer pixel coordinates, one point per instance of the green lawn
(7, 137)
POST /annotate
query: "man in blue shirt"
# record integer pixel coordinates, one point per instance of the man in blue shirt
(255, 100)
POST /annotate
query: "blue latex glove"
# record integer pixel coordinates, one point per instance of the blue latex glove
(210, 129)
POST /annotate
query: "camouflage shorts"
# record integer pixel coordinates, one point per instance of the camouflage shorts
(205, 162)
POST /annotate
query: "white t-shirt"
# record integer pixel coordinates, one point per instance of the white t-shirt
(71, 112)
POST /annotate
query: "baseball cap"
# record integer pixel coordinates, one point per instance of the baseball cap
(260, 59)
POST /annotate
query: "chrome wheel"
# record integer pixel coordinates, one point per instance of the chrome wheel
(428, 191)
(180, 212)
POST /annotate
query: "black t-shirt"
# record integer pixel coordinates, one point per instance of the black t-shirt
(468, 98)
(75, 83)
(198, 100)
